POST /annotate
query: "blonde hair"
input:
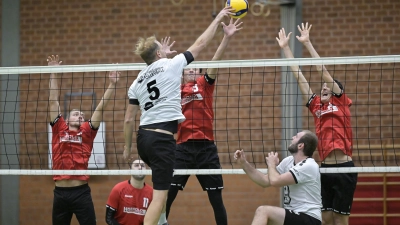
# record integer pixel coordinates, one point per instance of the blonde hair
(147, 49)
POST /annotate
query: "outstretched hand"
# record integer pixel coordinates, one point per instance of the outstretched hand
(240, 157)
(232, 27)
(166, 47)
(53, 60)
(282, 39)
(114, 76)
(272, 159)
(225, 12)
(305, 33)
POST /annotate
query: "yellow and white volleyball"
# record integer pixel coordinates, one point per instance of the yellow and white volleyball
(241, 7)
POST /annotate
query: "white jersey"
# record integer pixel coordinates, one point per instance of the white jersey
(305, 195)
(158, 90)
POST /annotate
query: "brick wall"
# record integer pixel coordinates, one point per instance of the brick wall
(91, 32)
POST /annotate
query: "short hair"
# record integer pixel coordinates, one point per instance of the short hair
(72, 110)
(147, 49)
(310, 141)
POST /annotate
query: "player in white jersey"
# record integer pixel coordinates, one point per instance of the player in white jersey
(299, 176)
(157, 92)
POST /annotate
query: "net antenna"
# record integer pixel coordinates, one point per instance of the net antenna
(97, 159)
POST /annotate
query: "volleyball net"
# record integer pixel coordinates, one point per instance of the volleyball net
(257, 107)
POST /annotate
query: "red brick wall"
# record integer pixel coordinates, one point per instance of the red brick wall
(91, 32)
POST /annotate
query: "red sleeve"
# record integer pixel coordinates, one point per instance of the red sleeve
(314, 103)
(58, 124)
(87, 128)
(113, 199)
(343, 100)
(208, 88)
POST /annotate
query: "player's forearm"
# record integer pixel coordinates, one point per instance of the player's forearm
(289, 55)
(106, 97)
(128, 132)
(298, 75)
(314, 54)
(255, 175)
(273, 176)
(212, 72)
(209, 33)
(204, 39)
(53, 87)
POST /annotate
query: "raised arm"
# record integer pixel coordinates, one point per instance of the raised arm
(283, 42)
(229, 31)
(305, 39)
(97, 116)
(209, 33)
(129, 124)
(255, 175)
(54, 105)
(276, 179)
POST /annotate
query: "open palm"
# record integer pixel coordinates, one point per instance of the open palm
(305, 32)
(232, 27)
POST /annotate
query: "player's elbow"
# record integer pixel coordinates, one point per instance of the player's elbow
(128, 120)
(274, 183)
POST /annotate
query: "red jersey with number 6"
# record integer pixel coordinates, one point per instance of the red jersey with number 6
(130, 203)
(332, 124)
(71, 150)
(197, 107)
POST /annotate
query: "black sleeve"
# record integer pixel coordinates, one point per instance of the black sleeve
(55, 120)
(338, 95)
(133, 101)
(92, 127)
(209, 80)
(310, 100)
(295, 179)
(110, 212)
(189, 57)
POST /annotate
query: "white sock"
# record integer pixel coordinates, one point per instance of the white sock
(163, 219)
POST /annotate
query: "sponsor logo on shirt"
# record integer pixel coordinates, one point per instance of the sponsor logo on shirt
(150, 105)
(331, 108)
(71, 138)
(128, 196)
(150, 73)
(190, 98)
(134, 210)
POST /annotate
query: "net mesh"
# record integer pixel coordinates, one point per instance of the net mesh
(249, 102)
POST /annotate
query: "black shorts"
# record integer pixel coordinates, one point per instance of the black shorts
(299, 219)
(158, 151)
(337, 189)
(198, 154)
(73, 200)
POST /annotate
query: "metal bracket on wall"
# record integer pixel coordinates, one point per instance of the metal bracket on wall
(262, 7)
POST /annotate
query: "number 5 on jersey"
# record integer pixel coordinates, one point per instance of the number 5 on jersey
(154, 94)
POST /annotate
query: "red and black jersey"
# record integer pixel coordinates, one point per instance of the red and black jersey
(130, 204)
(332, 124)
(197, 107)
(71, 150)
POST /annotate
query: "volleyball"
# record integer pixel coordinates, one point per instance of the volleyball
(241, 7)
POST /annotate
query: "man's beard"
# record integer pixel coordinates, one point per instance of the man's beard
(138, 177)
(293, 148)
